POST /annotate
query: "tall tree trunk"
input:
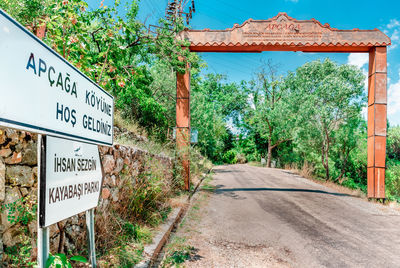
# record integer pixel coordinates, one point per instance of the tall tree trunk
(327, 161)
(327, 170)
(269, 153)
(343, 167)
(326, 151)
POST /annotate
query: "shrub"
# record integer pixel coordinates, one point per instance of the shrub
(229, 157)
(393, 143)
(393, 181)
(241, 158)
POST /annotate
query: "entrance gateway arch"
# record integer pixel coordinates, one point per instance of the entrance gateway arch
(283, 33)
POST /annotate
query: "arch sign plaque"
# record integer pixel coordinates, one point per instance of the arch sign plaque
(283, 33)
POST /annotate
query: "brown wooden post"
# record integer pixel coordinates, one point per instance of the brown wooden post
(41, 30)
(183, 123)
(377, 122)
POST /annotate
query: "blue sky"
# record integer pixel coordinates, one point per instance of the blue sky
(222, 14)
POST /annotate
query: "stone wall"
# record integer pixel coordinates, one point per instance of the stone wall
(18, 191)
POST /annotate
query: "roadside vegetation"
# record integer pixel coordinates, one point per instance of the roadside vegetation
(177, 251)
(309, 120)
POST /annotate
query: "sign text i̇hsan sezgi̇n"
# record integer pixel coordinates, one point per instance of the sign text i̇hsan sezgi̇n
(44, 93)
(71, 179)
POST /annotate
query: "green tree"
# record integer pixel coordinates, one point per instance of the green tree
(213, 103)
(327, 99)
(393, 143)
(112, 47)
(268, 115)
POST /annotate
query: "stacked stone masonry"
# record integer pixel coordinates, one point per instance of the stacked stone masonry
(18, 181)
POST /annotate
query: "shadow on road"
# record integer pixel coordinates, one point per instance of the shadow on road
(226, 171)
(221, 190)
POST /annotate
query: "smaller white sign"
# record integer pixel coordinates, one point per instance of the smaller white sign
(71, 179)
(194, 135)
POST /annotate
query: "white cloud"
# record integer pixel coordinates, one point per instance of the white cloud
(393, 30)
(364, 112)
(365, 73)
(293, 1)
(394, 102)
(394, 98)
(393, 23)
(358, 59)
(396, 35)
(250, 100)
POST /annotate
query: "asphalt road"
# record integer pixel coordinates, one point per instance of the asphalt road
(260, 217)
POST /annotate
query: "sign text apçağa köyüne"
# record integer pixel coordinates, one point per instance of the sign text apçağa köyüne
(68, 114)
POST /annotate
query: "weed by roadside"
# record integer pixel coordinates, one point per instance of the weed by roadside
(128, 247)
(148, 200)
(255, 164)
(206, 185)
(177, 252)
(124, 232)
(306, 171)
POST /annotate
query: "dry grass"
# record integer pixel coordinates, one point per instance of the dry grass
(394, 204)
(166, 149)
(255, 164)
(306, 171)
(178, 201)
(128, 224)
(129, 125)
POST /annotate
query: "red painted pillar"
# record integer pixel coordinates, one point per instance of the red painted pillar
(183, 123)
(377, 122)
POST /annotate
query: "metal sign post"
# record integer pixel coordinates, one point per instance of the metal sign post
(90, 230)
(43, 233)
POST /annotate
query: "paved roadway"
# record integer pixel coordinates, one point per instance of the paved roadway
(260, 217)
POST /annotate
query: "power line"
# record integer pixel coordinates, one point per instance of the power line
(177, 8)
(150, 8)
(156, 9)
(230, 66)
(246, 12)
(222, 56)
(222, 12)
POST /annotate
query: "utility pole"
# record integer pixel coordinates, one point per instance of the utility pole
(175, 11)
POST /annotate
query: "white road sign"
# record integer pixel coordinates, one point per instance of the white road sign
(42, 92)
(71, 179)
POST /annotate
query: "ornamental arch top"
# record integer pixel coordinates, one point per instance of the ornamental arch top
(283, 33)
